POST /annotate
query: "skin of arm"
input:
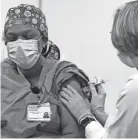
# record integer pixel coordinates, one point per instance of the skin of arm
(101, 116)
(69, 125)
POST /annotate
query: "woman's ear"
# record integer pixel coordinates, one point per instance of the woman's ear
(44, 45)
(45, 40)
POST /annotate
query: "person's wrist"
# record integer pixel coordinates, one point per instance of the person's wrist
(86, 120)
(97, 110)
(85, 116)
(101, 116)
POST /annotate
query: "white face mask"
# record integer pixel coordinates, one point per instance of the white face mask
(24, 53)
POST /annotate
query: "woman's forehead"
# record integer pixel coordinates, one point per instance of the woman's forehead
(19, 29)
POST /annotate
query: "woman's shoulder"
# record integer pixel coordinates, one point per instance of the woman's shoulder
(7, 61)
(133, 77)
(63, 66)
(6, 64)
(130, 90)
(132, 84)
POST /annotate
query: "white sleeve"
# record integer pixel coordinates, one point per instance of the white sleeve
(94, 130)
(109, 121)
(125, 122)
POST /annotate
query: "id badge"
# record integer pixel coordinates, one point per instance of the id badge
(40, 112)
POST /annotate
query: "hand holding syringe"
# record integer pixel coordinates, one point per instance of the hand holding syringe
(98, 95)
(99, 81)
(96, 81)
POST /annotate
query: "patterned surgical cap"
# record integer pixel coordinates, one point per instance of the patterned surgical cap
(27, 15)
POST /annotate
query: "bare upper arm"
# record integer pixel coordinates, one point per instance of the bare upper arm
(75, 84)
(69, 125)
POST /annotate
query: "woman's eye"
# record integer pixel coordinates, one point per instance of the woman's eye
(11, 38)
(28, 37)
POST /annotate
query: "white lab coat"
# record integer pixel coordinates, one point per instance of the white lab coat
(125, 123)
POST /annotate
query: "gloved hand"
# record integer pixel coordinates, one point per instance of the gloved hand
(78, 107)
(98, 97)
(98, 102)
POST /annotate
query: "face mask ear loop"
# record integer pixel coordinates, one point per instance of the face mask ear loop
(47, 45)
(38, 41)
(40, 37)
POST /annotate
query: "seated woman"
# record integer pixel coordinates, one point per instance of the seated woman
(31, 78)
